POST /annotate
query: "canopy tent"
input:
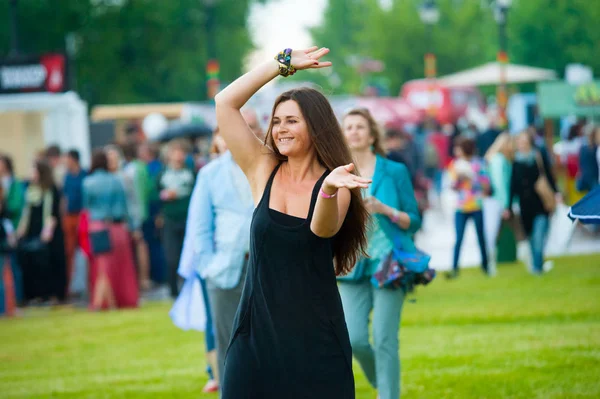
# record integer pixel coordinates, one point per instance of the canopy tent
(489, 74)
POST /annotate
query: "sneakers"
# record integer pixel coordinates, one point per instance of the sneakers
(211, 386)
(548, 265)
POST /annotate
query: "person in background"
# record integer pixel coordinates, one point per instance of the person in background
(469, 178)
(42, 246)
(53, 155)
(113, 276)
(499, 158)
(588, 165)
(13, 190)
(570, 160)
(14, 201)
(136, 171)
(148, 154)
(72, 205)
(175, 185)
(401, 149)
(225, 208)
(8, 242)
(392, 204)
(535, 219)
(116, 164)
(486, 139)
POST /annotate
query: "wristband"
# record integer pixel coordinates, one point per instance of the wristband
(325, 195)
(395, 216)
(284, 59)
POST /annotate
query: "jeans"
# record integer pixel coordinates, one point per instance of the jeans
(537, 241)
(461, 219)
(209, 334)
(380, 362)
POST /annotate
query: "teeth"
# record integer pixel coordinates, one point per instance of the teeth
(286, 139)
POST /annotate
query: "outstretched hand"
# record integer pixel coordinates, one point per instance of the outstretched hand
(309, 58)
(342, 177)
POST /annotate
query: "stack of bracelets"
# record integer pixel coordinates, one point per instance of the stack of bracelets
(284, 59)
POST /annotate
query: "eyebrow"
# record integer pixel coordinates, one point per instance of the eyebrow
(286, 116)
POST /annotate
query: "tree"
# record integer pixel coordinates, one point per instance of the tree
(545, 33)
(136, 50)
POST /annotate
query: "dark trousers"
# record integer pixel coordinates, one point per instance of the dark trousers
(173, 233)
(224, 304)
(461, 219)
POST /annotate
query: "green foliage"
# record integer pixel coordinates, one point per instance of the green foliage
(136, 50)
(514, 336)
(543, 33)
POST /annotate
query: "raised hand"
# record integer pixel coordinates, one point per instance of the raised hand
(342, 177)
(309, 58)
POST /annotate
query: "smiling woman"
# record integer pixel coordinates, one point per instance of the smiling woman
(309, 225)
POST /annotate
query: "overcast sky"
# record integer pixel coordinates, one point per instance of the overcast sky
(283, 23)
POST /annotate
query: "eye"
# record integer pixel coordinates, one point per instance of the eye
(293, 121)
(275, 122)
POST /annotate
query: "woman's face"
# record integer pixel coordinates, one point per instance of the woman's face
(35, 175)
(113, 160)
(458, 152)
(290, 131)
(357, 133)
(523, 143)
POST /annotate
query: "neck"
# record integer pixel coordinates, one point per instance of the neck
(299, 169)
(75, 170)
(364, 158)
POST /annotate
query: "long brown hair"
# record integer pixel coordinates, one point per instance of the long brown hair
(45, 178)
(374, 129)
(350, 242)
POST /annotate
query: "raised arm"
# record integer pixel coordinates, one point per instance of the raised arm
(242, 143)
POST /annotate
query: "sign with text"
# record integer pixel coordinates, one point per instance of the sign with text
(46, 73)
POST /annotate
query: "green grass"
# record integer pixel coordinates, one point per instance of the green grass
(513, 336)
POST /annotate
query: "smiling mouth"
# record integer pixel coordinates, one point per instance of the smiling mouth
(285, 140)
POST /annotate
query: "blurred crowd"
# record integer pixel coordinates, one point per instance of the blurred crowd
(63, 227)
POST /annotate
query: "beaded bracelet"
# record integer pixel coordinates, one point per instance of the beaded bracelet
(284, 59)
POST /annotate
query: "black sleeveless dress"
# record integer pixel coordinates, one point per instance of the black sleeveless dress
(290, 338)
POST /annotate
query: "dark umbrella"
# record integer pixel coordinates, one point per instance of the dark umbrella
(587, 210)
(189, 131)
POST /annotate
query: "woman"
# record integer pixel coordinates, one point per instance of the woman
(469, 178)
(527, 168)
(499, 159)
(114, 282)
(392, 204)
(290, 339)
(42, 245)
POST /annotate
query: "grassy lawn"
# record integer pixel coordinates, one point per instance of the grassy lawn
(513, 336)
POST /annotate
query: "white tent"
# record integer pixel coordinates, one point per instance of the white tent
(489, 74)
(29, 122)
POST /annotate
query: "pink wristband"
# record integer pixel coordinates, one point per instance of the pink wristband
(395, 216)
(325, 195)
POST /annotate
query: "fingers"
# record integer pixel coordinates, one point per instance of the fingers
(310, 49)
(318, 53)
(349, 167)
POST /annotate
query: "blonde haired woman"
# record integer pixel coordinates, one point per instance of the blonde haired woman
(499, 159)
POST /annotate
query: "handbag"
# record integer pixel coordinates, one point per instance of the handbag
(542, 187)
(100, 242)
(400, 269)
